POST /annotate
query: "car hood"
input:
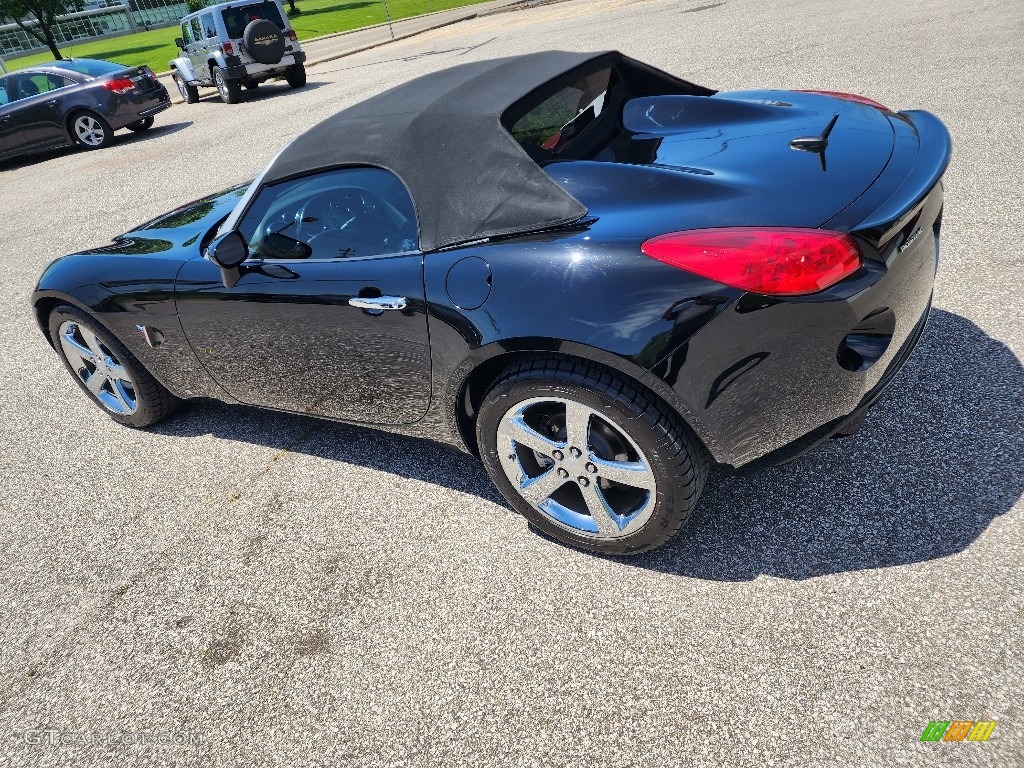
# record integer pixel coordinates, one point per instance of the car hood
(183, 227)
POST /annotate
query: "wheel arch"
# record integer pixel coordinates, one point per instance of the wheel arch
(484, 366)
(44, 304)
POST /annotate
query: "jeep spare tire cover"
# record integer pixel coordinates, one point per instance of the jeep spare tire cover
(264, 41)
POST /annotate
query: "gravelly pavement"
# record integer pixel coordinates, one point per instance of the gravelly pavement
(299, 593)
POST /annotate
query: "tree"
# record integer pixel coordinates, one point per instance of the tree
(44, 13)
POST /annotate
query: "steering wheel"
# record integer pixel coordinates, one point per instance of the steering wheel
(329, 212)
(351, 221)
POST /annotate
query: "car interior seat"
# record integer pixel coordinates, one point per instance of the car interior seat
(28, 88)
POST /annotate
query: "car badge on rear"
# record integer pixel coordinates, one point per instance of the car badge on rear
(910, 240)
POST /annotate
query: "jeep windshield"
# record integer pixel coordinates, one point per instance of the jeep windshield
(237, 18)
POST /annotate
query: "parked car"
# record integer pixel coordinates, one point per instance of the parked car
(231, 45)
(594, 275)
(80, 101)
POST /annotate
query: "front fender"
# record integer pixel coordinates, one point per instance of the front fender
(184, 67)
(216, 58)
(125, 295)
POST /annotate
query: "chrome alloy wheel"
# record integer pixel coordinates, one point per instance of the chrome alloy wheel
(89, 131)
(181, 88)
(101, 372)
(577, 467)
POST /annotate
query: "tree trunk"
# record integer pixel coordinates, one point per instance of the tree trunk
(52, 45)
(46, 38)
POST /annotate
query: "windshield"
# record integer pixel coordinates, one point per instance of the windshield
(237, 19)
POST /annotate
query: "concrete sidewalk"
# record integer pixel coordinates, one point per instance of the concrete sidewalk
(328, 47)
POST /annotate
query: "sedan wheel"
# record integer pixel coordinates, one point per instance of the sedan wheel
(91, 131)
(588, 457)
(141, 125)
(106, 371)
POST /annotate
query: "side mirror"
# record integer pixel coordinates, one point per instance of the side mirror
(228, 250)
(180, 43)
(279, 246)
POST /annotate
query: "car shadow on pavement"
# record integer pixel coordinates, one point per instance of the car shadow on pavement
(937, 460)
(124, 137)
(264, 91)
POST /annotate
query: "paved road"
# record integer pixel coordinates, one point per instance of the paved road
(302, 594)
(331, 47)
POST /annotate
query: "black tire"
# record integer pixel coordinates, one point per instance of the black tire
(188, 91)
(648, 434)
(89, 130)
(230, 90)
(152, 402)
(142, 125)
(296, 75)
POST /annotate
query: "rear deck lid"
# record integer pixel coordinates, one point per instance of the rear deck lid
(750, 142)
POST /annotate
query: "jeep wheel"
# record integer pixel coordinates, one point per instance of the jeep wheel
(296, 75)
(188, 91)
(230, 90)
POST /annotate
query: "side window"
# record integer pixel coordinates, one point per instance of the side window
(186, 33)
(340, 214)
(4, 98)
(26, 85)
(209, 28)
(56, 81)
(197, 30)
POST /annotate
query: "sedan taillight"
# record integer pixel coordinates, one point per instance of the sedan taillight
(119, 85)
(775, 261)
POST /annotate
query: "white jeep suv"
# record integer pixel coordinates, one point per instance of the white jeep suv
(234, 44)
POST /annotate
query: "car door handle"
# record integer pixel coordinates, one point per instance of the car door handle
(378, 302)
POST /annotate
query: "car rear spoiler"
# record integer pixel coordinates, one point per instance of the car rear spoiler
(922, 155)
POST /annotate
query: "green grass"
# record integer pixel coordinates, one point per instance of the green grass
(318, 17)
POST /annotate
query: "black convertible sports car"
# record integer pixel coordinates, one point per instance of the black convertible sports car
(594, 275)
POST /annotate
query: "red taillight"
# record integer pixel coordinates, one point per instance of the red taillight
(775, 261)
(852, 97)
(119, 85)
(290, 34)
(229, 48)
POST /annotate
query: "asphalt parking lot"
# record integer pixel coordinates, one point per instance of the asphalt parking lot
(302, 593)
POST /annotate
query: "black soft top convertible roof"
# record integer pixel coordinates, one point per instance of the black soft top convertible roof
(442, 135)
